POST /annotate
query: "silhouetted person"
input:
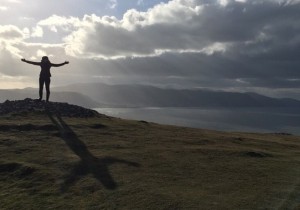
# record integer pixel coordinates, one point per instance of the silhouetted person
(45, 74)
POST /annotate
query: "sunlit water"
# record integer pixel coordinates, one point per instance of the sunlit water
(274, 120)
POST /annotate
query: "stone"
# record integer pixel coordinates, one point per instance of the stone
(33, 105)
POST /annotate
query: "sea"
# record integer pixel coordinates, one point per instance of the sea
(264, 120)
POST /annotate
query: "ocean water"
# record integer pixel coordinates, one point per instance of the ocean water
(267, 120)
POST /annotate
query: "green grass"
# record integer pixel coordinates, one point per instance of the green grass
(48, 162)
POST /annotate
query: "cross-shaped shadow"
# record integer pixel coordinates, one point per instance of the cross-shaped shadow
(88, 163)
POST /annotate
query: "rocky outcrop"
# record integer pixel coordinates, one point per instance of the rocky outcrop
(62, 109)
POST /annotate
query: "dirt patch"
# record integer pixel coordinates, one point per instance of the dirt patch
(27, 127)
(98, 126)
(256, 154)
(9, 167)
(16, 169)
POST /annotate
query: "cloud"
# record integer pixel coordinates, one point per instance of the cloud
(64, 23)
(183, 26)
(8, 60)
(10, 36)
(140, 2)
(13, 1)
(10, 33)
(113, 4)
(137, 34)
(37, 32)
(2, 8)
(232, 44)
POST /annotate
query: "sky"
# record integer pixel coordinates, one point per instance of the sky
(230, 45)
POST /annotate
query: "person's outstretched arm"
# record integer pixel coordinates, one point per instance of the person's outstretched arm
(31, 62)
(59, 64)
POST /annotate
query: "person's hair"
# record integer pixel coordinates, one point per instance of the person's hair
(45, 58)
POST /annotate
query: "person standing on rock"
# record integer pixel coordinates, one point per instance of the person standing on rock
(45, 74)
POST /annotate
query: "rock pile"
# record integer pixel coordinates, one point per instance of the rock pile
(62, 109)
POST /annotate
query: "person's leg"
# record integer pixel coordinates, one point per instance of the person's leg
(47, 82)
(41, 81)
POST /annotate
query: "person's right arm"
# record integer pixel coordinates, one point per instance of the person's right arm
(31, 62)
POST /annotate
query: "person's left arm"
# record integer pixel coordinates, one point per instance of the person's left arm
(59, 64)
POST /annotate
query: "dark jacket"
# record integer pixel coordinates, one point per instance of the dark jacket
(45, 67)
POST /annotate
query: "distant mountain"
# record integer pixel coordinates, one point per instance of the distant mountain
(65, 96)
(103, 95)
(141, 96)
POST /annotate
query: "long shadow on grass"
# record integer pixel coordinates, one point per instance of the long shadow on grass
(88, 163)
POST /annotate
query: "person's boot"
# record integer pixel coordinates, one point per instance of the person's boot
(48, 95)
(41, 95)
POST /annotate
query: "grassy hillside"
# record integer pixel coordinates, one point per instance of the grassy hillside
(53, 162)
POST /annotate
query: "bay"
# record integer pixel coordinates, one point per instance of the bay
(267, 120)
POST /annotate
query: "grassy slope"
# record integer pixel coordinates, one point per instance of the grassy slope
(47, 162)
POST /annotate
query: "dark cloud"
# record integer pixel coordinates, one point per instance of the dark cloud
(189, 26)
(232, 45)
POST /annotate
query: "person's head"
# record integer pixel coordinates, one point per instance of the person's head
(45, 59)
